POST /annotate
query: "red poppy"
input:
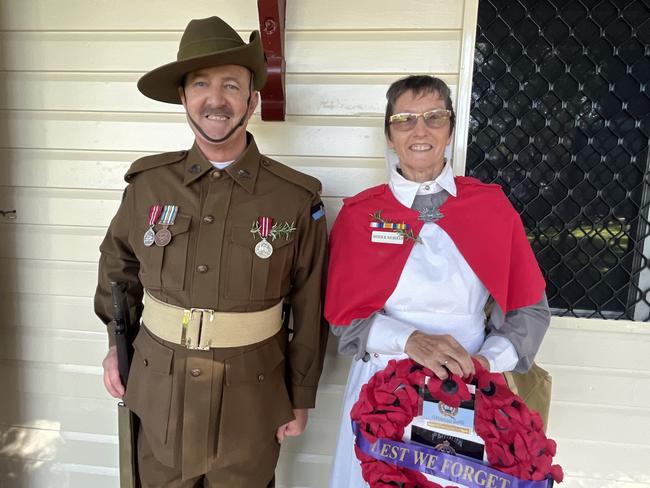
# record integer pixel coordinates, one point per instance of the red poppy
(451, 391)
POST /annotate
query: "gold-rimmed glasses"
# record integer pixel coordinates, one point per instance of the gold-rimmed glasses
(433, 119)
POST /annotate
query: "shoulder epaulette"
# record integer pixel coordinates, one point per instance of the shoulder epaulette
(154, 161)
(365, 194)
(310, 183)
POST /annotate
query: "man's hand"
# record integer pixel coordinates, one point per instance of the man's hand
(439, 353)
(112, 380)
(295, 427)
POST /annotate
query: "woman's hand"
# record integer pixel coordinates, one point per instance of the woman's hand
(439, 353)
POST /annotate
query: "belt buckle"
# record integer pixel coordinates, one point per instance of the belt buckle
(187, 318)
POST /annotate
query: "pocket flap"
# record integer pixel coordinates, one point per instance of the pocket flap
(154, 355)
(252, 366)
(181, 224)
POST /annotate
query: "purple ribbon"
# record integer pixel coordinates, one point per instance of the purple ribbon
(456, 469)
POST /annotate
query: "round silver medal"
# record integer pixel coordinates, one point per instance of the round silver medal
(163, 237)
(264, 249)
(149, 237)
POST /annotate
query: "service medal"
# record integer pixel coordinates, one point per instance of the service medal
(264, 249)
(150, 234)
(164, 235)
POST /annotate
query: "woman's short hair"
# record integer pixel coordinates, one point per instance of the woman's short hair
(419, 85)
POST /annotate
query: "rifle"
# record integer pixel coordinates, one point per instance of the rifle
(127, 420)
(122, 319)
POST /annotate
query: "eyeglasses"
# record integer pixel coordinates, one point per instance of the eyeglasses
(433, 119)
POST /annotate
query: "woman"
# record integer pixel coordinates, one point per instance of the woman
(413, 264)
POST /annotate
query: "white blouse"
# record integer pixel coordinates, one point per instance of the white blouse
(437, 293)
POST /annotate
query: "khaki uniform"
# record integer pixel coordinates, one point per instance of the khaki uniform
(214, 410)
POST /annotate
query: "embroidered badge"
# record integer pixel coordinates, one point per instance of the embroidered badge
(399, 228)
(318, 211)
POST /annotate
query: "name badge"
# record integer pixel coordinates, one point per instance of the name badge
(387, 237)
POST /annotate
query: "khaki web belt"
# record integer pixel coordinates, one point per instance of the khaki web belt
(200, 328)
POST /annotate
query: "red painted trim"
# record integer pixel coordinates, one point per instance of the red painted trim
(272, 20)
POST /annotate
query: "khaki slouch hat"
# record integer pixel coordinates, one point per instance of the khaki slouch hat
(205, 43)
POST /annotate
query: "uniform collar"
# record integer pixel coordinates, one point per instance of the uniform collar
(406, 190)
(243, 170)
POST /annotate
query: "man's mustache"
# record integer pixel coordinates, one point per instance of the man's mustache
(222, 111)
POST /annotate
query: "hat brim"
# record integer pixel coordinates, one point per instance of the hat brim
(162, 83)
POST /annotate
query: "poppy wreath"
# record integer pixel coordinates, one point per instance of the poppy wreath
(514, 436)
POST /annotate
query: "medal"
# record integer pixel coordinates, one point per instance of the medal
(264, 249)
(150, 234)
(164, 236)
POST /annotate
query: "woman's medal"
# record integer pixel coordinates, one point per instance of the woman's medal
(164, 236)
(150, 234)
(264, 249)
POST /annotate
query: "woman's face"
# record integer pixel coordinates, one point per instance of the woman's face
(421, 149)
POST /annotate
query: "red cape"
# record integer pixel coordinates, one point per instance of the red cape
(480, 220)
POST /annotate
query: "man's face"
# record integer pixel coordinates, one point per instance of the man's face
(215, 101)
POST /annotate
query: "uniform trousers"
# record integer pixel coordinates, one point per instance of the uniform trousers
(208, 418)
(154, 474)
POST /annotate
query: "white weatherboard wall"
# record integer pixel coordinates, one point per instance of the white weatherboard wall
(71, 122)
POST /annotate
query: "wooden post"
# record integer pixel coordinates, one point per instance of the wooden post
(272, 17)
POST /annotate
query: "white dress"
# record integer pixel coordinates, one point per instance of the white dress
(437, 293)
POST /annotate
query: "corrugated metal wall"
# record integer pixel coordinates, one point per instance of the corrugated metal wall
(72, 120)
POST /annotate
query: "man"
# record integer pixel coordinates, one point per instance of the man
(214, 240)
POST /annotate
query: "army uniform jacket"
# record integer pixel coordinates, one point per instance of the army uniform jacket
(210, 263)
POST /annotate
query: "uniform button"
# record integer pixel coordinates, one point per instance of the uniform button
(146, 362)
(260, 377)
(208, 219)
(427, 187)
(266, 162)
(216, 174)
(202, 268)
(366, 357)
(195, 372)
(376, 355)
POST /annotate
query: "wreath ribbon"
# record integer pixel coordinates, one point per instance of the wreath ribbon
(452, 468)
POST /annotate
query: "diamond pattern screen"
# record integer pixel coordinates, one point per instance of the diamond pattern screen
(561, 119)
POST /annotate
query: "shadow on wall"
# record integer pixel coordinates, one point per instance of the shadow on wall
(28, 448)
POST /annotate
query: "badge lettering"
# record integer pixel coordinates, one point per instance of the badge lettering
(387, 237)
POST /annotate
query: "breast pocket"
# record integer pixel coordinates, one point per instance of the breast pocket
(251, 277)
(164, 267)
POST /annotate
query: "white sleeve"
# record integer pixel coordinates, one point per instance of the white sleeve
(500, 353)
(388, 335)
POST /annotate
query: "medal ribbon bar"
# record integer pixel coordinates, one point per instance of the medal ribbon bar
(154, 213)
(265, 226)
(389, 225)
(168, 215)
